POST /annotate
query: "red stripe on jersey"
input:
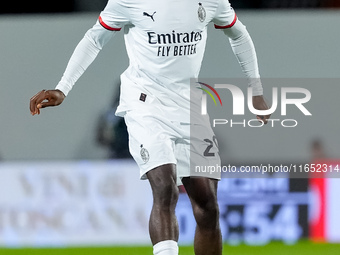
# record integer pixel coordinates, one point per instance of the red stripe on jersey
(227, 26)
(106, 26)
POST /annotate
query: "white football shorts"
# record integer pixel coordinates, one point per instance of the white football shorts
(155, 141)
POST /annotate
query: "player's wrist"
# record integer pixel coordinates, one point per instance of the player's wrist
(62, 93)
(63, 87)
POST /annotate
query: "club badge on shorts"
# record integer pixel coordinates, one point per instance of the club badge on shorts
(144, 154)
(201, 12)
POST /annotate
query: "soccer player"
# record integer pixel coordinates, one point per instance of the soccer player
(165, 42)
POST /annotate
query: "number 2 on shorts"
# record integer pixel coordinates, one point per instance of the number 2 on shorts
(207, 152)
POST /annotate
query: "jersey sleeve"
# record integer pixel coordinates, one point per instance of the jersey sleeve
(225, 16)
(114, 16)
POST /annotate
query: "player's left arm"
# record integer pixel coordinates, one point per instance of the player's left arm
(244, 50)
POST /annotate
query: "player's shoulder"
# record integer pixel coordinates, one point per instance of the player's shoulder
(126, 4)
(116, 3)
(225, 2)
(216, 4)
(118, 6)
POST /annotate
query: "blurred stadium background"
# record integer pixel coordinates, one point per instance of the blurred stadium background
(67, 184)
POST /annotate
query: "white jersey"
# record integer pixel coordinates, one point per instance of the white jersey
(165, 42)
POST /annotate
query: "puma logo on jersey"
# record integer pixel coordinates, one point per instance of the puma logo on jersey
(148, 15)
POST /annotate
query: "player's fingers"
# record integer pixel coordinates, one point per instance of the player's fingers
(40, 98)
(50, 99)
(46, 104)
(262, 119)
(35, 100)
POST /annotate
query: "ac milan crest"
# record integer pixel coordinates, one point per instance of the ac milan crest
(201, 12)
(144, 154)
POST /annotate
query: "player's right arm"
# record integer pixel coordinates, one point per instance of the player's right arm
(110, 21)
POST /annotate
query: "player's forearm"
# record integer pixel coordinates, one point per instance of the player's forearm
(82, 57)
(244, 50)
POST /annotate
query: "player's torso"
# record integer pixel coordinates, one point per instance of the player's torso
(165, 41)
(168, 33)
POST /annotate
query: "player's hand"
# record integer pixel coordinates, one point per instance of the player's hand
(45, 98)
(260, 104)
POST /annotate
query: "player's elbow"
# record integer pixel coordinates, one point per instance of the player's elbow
(237, 31)
(94, 40)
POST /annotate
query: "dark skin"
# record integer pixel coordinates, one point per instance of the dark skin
(203, 196)
(260, 104)
(45, 98)
(201, 191)
(163, 223)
